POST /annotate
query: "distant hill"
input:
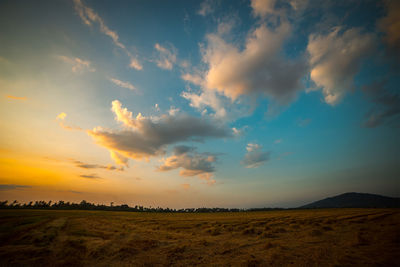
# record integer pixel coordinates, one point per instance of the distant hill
(355, 200)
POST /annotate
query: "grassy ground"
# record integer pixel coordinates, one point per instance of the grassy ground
(336, 237)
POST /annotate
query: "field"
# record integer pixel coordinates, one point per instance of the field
(335, 237)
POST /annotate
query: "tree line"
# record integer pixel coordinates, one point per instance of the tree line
(84, 205)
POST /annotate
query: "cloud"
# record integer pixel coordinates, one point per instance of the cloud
(227, 24)
(298, 5)
(109, 167)
(61, 118)
(179, 150)
(4, 187)
(191, 162)
(118, 158)
(122, 84)
(135, 64)
(258, 68)
(173, 111)
(205, 99)
(186, 186)
(303, 122)
(255, 157)
(335, 59)
(390, 25)
(21, 98)
(145, 137)
(206, 8)
(238, 132)
(166, 57)
(187, 23)
(387, 105)
(89, 17)
(263, 8)
(90, 176)
(192, 78)
(284, 155)
(78, 65)
(252, 69)
(210, 103)
(74, 192)
(271, 9)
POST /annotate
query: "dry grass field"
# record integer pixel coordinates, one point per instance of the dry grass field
(335, 237)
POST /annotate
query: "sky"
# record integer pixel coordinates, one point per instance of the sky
(245, 103)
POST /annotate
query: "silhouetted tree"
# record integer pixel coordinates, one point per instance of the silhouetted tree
(84, 205)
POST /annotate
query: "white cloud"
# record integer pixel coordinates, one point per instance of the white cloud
(61, 118)
(118, 158)
(255, 157)
(192, 78)
(206, 8)
(335, 59)
(244, 72)
(88, 16)
(221, 107)
(166, 57)
(263, 8)
(205, 99)
(184, 64)
(225, 27)
(135, 64)
(173, 111)
(78, 65)
(191, 162)
(238, 132)
(272, 8)
(145, 137)
(258, 68)
(122, 84)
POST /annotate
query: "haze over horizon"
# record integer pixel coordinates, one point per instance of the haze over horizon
(247, 103)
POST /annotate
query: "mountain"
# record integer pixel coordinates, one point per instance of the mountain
(355, 200)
